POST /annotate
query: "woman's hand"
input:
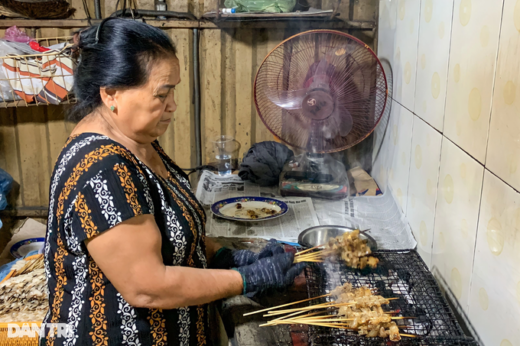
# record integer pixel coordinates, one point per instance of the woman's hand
(226, 258)
(129, 254)
(271, 272)
(246, 257)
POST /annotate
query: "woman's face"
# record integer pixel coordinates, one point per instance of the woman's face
(144, 113)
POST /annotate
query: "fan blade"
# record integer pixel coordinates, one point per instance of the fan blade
(329, 129)
(291, 99)
(321, 77)
(322, 67)
(344, 120)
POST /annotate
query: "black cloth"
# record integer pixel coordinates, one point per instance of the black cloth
(97, 184)
(264, 162)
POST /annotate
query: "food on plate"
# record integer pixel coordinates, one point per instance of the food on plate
(251, 214)
(241, 210)
(268, 211)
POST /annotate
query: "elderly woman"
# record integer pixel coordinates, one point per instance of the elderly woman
(126, 255)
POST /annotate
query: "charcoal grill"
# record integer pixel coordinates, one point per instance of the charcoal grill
(402, 275)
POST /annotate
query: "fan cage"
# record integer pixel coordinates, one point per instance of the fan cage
(291, 73)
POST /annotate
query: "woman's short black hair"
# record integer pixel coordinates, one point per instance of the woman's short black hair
(115, 54)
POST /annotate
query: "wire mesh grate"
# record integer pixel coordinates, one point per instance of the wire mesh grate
(402, 275)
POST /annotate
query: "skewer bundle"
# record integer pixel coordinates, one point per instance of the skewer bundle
(352, 309)
(23, 296)
(347, 247)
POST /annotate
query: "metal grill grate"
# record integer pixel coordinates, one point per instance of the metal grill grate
(402, 275)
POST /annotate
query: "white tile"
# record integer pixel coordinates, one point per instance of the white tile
(386, 32)
(456, 215)
(495, 288)
(422, 188)
(380, 161)
(397, 42)
(382, 152)
(432, 60)
(391, 163)
(474, 44)
(503, 154)
(397, 154)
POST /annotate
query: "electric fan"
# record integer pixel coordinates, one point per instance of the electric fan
(321, 91)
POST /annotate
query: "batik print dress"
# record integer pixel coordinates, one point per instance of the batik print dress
(96, 184)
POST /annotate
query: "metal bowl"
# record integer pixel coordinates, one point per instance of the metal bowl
(319, 235)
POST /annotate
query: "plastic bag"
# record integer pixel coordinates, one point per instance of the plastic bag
(6, 182)
(6, 48)
(276, 6)
(16, 35)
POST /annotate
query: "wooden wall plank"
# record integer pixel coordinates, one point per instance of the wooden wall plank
(179, 139)
(274, 37)
(211, 98)
(167, 140)
(184, 120)
(46, 161)
(261, 132)
(243, 91)
(80, 11)
(171, 5)
(177, 5)
(209, 5)
(34, 155)
(58, 130)
(9, 159)
(229, 83)
(110, 7)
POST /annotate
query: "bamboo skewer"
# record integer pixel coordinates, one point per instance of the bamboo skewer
(310, 261)
(317, 306)
(408, 335)
(312, 319)
(284, 305)
(331, 325)
(311, 256)
(307, 259)
(315, 253)
(294, 314)
(332, 304)
(326, 315)
(312, 307)
(305, 251)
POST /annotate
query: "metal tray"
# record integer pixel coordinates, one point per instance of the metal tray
(319, 235)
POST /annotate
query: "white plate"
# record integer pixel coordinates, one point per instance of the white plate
(226, 208)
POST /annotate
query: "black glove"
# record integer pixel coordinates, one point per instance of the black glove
(246, 257)
(226, 258)
(276, 271)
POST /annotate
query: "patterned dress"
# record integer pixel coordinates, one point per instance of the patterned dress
(96, 184)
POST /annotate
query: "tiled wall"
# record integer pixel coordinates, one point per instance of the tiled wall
(451, 150)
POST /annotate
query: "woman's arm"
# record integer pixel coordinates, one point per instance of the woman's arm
(129, 255)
